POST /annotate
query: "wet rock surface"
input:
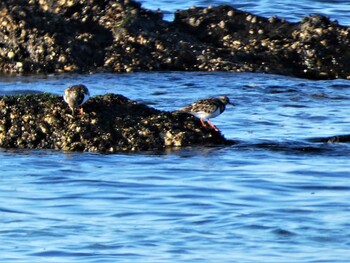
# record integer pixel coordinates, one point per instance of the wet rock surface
(120, 36)
(110, 123)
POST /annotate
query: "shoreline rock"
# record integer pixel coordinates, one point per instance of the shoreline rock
(47, 36)
(111, 124)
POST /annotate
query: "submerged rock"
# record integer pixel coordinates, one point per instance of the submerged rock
(345, 138)
(110, 123)
(120, 36)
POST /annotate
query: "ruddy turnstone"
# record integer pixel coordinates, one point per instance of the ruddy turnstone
(76, 96)
(207, 109)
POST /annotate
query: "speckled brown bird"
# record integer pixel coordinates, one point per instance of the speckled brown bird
(76, 96)
(207, 109)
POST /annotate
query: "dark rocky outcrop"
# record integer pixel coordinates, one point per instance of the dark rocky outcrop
(110, 123)
(344, 138)
(120, 36)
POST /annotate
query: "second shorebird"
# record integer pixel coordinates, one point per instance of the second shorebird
(207, 109)
(76, 96)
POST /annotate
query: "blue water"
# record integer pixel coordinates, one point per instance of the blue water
(273, 197)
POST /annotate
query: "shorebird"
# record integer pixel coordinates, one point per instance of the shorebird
(76, 96)
(207, 109)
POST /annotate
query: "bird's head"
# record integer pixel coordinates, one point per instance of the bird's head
(225, 100)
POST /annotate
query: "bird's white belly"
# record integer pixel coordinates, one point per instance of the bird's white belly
(206, 115)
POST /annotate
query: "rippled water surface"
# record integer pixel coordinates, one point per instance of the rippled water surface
(273, 197)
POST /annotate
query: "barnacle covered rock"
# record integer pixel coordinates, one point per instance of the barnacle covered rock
(110, 123)
(120, 36)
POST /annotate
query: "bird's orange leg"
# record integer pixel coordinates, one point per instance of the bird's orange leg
(203, 123)
(81, 111)
(213, 126)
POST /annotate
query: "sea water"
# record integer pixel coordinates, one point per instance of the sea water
(275, 196)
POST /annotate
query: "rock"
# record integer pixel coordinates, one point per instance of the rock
(46, 36)
(345, 138)
(110, 123)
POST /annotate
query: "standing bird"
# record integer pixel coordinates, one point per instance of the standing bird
(76, 96)
(207, 109)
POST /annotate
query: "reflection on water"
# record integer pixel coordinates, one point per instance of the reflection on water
(274, 192)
